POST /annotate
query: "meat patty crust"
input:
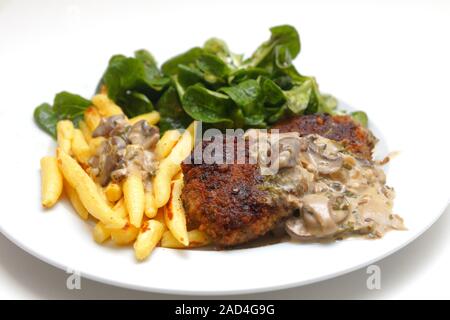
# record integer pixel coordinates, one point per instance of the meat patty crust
(354, 137)
(224, 201)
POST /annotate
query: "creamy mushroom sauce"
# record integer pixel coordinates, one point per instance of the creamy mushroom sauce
(127, 148)
(336, 193)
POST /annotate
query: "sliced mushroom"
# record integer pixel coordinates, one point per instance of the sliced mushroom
(288, 149)
(325, 163)
(339, 208)
(319, 218)
(93, 161)
(141, 133)
(336, 186)
(317, 215)
(124, 149)
(107, 165)
(118, 174)
(274, 151)
(347, 195)
(118, 142)
(152, 139)
(108, 159)
(296, 229)
(149, 163)
(110, 124)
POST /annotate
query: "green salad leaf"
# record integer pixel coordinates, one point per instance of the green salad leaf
(189, 75)
(170, 67)
(272, 92)
(360, 117)
(299, 97)
(246, 95)
(208, 83)
(248, 98)
(248, 73)
(172, 113)
(134, 103)
(66, 105)
(215, 69)
(133, 82)
(70, 106)
(220, 49)
(46, 118)
(282, 47)
(207, 106)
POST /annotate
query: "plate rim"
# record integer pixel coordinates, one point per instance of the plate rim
(261, 289)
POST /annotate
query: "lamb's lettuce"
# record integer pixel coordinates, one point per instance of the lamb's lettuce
(208, 83)
(66, 105)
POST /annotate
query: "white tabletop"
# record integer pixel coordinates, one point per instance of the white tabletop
(418, 271)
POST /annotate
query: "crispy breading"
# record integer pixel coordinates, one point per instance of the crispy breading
(343, 129)
(224, 201)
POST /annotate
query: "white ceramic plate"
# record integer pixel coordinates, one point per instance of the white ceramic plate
(66, 48)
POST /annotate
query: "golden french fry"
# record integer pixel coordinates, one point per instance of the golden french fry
(134, 196)
(192, 129)
(160, 216)
(120, 209)
(92, 118)
(75, 201)
(52, 181)
(64, 135)
(113, 192)
(88, 191)
(179, 175)
(85, 130)
(125, 235)
(196, 237)
(151, 117)
(101, 233)
(102, 194)
(170, 166)
(80, 148)
(106, 107)
(166, 143)
(161, 182)
(95, 143)
(150, 204)
(183, 147)
(148, 238)
(174, 215)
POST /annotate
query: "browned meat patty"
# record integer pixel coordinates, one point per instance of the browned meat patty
(224, 201)
(353, 136)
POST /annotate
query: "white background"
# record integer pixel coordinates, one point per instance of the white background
(368, 53)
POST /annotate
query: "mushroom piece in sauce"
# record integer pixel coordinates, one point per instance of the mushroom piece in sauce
(323, 160)
(337, 193)
(320, 218)
(126, 148)
(110, 126)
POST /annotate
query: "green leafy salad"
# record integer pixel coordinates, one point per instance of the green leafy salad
(208, 83)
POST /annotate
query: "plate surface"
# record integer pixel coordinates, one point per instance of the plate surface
(70, 51)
